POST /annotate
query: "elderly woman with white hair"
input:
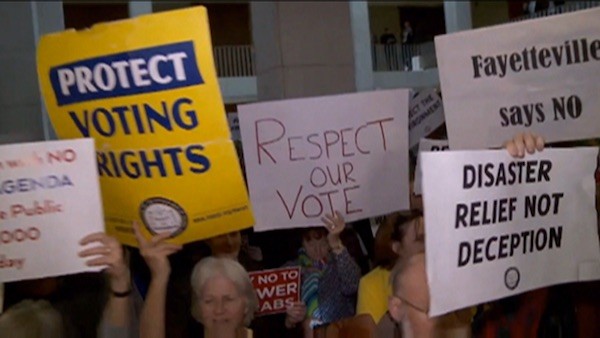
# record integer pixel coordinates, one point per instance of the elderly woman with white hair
(223, 300)
(32, 319)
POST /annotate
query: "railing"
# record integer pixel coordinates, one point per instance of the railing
(238, 61)
(569, 6)
(398, 57)
(234, 61)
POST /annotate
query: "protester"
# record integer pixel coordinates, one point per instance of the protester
(400, 235)
(408, 305)
(570, 310)
(408, 242)
(330, 277)
(32, 319)
(373, 288)
(39, 318)
(235, 245)
(121, 309)
(519, 315)
(221, 286)
(224, 298)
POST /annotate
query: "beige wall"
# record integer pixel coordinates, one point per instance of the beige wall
(488, 13)
(299, 55)
(229, 21)
(381, 17)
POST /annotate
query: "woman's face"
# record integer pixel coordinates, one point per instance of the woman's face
(227, 245)
(222, 306)
(316, 245)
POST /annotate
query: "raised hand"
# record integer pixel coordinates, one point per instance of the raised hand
(295, 314)
(156, 252)
(526, 141)
(335, 225)
(108, 254)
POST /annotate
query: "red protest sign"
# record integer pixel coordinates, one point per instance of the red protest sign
(276, 289)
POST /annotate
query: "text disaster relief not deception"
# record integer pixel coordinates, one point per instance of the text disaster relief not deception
(502, 210)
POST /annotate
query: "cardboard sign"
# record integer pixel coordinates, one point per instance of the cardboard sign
(147, 91)
(540, 75)
(276, 289)
(426, 114)
(307, 157)
(426, 145)
(49, 201)
(498, 226)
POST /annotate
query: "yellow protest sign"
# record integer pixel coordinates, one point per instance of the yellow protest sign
(146, 90)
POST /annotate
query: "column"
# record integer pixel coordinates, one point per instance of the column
(310, 48)
(458, 16)
(22, 113)
(137, 8)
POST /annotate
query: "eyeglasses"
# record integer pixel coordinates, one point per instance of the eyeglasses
(410, 304)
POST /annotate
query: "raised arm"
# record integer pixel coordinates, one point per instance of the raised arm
(155, 252)
(116, 319)
(348, 272)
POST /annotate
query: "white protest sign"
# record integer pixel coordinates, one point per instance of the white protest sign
(497, 226)
(540, 75)
(49, 200)
(426, 145)
(308, 157)
(425, 115)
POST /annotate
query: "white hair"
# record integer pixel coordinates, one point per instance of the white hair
(213, 266)
(31, 319)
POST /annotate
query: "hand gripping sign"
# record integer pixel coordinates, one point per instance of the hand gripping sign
(147, 91)
(49, 200)
(498, 226)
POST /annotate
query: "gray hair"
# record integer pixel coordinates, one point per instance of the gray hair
(226, 267)
(31, 319)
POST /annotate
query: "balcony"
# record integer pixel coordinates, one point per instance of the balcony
(570, 6)
(237, 72)
(393, 65)
(404, 66)
(234, 61)
(238, 61)
(403, 57)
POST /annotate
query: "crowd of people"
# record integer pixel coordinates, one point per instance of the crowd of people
(203, 289)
